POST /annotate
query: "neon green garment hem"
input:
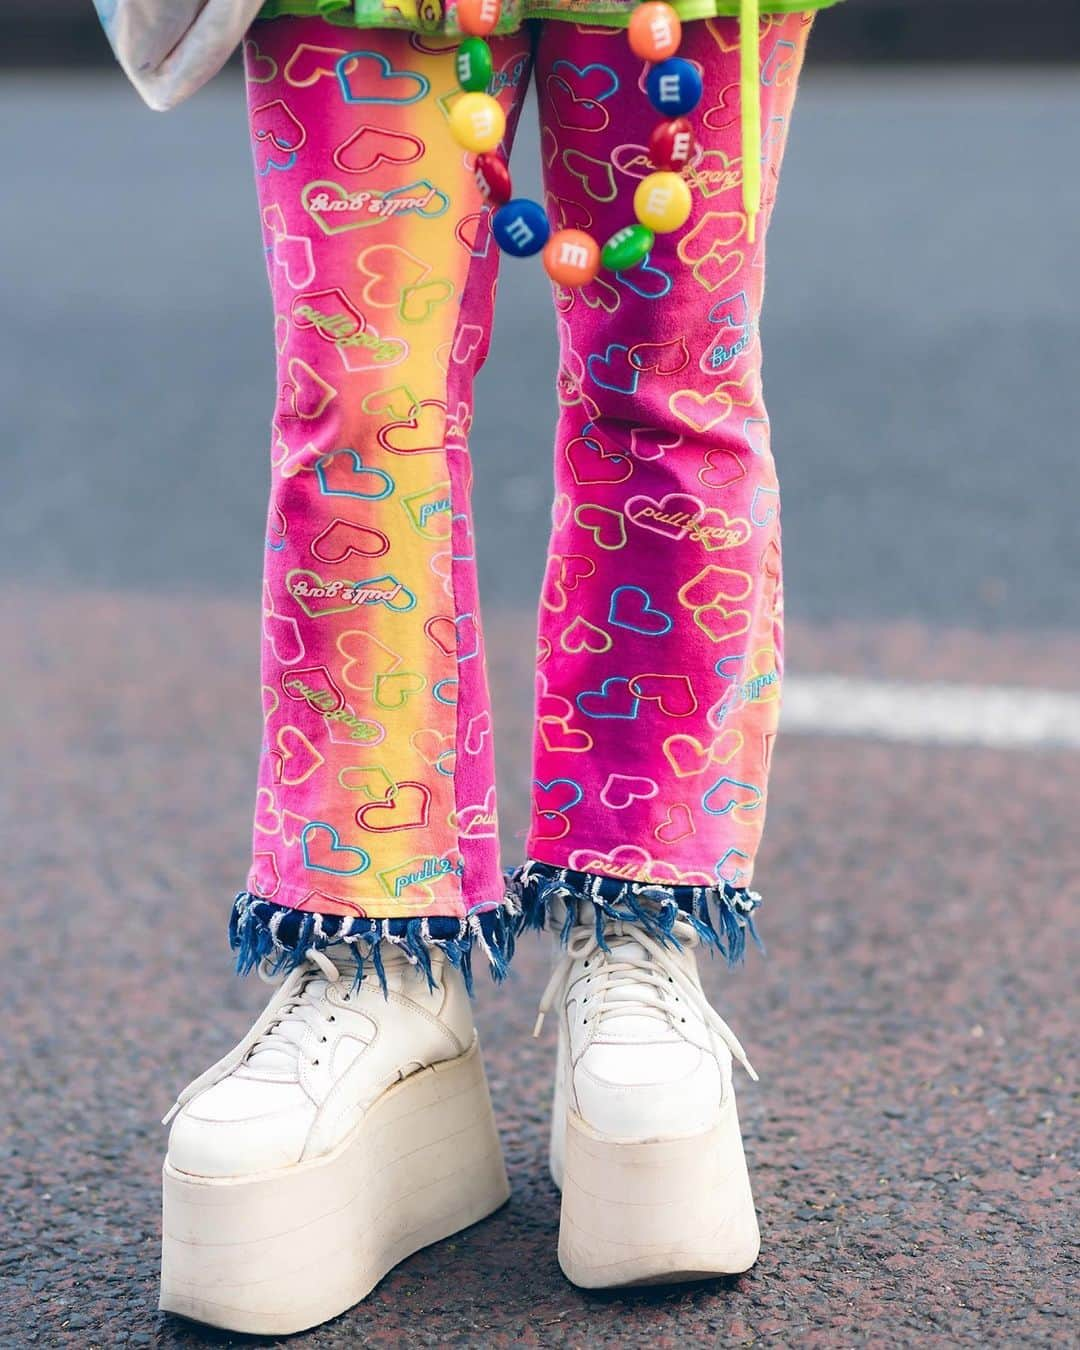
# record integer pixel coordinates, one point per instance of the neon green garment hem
(439, 17)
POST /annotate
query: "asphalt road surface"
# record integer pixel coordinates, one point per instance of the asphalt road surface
(912, 1141)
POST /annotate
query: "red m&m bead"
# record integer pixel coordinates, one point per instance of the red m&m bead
(493, 178)
(654, 31)
(478, 17)
(671, 145)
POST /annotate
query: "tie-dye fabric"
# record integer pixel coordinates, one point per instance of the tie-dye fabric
(659, 653)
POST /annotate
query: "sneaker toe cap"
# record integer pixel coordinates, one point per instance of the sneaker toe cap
(239, 1127)
(632, 1096)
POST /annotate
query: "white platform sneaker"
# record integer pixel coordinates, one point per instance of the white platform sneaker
(346, 1131)
(645, 1141)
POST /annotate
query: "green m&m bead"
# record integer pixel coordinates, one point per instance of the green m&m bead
(627, 247)
(474, 64)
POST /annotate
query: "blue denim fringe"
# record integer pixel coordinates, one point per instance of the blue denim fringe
(260, 930)
(722, 916)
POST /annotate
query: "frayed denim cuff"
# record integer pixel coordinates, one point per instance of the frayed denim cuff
(559, 898)
(262, 931)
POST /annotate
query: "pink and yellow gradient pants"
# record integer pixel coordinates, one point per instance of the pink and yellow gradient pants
(659, 656)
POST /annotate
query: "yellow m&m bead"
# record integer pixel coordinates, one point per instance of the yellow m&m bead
(662, 202)
(477, 121)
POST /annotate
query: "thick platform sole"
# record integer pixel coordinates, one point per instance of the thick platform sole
(282, 1251)
(657, 1211)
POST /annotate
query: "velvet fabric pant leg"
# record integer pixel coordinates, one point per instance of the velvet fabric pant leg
(376, 815)
(661, 619)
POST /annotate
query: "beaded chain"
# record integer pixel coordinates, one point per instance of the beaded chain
(661, 200)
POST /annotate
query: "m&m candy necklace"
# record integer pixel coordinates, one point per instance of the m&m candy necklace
(662, 199)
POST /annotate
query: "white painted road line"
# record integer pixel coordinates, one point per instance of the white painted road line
(934, 714)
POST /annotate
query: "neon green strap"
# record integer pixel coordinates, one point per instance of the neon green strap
(750, 101)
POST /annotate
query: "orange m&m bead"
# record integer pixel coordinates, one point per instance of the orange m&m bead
(478, 17)
(571, 257)
(654, 31)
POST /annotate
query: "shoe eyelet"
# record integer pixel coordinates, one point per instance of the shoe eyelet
(322, 1040)
(331, 1018)
(314, 1063)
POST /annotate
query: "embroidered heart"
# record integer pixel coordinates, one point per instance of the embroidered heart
(342, 473)
(405, 807)
(688, 757)
(597, 176)
(562, 574)
(467, 343)
(420, 301)
(473, 233)
(394, 690)
(370, 146)
(309, 64)
(721, 624)
(397, 402)
(728, 795)
(648, 444)
(283, 635)
(722, 468)
(645, 280)
(701, 412)
(613, 370)
(432, 746)
(673, 694)
(354, 72)
(560, 794)
(631, 607)
(443, 633)
(590, 463)
(259, 68)
(622, 790)
(719, 116)
(370, 779)
(607, 527)
(342, 538)
(677, 824)
(324, 852)
(389, 269)
(558, 736)
(276, 124)
(305, 394)
(613, 699)
(714, 583)
(671, 516)
(267, 816)
(572, 112)
(299, 758)
(583, 636)
(422, 432)
(661, 358)
(365, 658)
(264, 878)
(477, 732)
(593, 81)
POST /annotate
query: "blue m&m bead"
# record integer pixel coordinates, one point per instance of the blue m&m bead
(674, 86)
(520, 227)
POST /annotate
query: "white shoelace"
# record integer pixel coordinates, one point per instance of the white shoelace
(276, 1036)
(636, 977)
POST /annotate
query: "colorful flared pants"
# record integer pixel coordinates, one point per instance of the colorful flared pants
(660, 631)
